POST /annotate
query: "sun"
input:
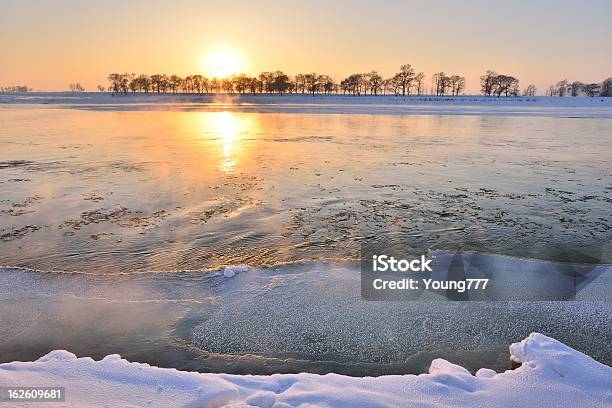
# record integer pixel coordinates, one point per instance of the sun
(222, 63)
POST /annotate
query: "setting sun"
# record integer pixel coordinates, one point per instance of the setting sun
(223, 63)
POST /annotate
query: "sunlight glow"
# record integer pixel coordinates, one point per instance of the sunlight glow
(222, 63)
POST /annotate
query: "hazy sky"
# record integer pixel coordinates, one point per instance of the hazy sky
(48, 43)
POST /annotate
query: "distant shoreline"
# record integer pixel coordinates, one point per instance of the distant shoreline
(568, 107)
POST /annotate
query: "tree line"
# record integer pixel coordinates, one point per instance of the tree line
(577, 88)
(492, 83)
(15, 89)
(405, 82)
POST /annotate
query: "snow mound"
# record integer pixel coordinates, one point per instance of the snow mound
(231, 271)
(556, 361)
(551, 375)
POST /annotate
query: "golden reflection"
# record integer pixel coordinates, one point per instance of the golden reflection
(229, 130)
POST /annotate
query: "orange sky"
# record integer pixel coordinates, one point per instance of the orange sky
(48, 44)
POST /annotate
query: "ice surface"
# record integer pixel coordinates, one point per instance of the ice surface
(551, 375)
(293, 317)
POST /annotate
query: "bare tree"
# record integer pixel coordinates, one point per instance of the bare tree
(101, 88)
(227, 85)
(241, 83)
(355, 84)
(215, 85)
(375, 82)
(327, 84)
(144, 83)
(187, 85)
(280, 82)
(576, 87)
(76, 87)
(128, 78)
(487, 82)
(393, 85)
(119, 83)
(514, 88)
(440, 82)
(505, 84)
(606, 88)
(591, 90)
(174, 83)
(159, 82)
(197, 83)
(203, 84)
(300, 83)
(15, 89)
(254, 85)
(404, 78)
(530, 90)
(456, 84)
(266, 79)
(134, 84)
(561, 87)
(312, 83)
(419, 83)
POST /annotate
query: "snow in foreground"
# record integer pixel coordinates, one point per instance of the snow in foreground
(551, 375)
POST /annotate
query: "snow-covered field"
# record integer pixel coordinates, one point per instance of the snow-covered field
(551, 375)
(338, 104)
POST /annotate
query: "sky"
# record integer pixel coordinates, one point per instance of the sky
(47, 44)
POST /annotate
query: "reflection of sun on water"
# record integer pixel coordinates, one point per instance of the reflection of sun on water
(227, 129)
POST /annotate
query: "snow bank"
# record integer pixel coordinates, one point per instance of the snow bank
(551, 375)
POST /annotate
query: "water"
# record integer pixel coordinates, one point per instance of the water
(293, 193)
(110, 191)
